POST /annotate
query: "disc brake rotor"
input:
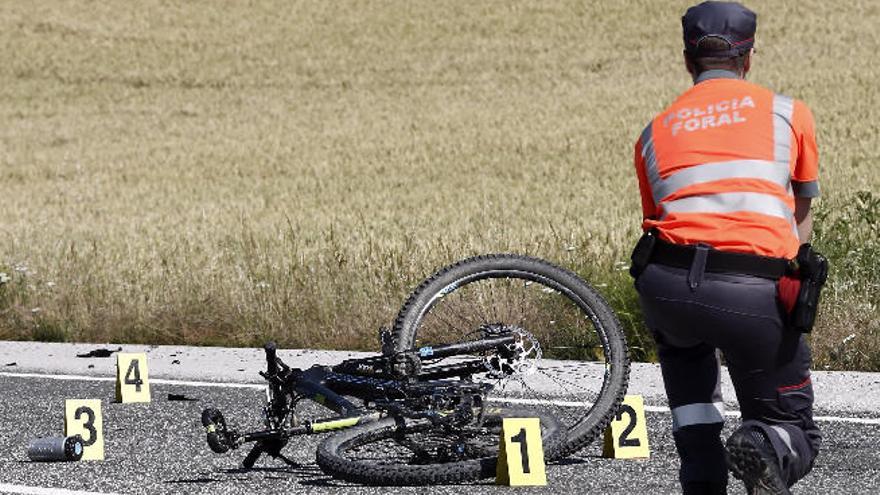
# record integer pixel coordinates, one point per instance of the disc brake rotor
(518, 359)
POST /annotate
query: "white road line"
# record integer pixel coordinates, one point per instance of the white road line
(560, 403)
(83, 378)
(841, 419)
(258, 386)
(160, 381)
(38, 490)
(660, 409)
(664, 409)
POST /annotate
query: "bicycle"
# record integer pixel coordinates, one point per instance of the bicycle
(465, 351)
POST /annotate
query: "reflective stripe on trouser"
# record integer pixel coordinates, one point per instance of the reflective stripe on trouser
(769, 366)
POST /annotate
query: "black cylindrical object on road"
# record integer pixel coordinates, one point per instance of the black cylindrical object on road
(56, 449)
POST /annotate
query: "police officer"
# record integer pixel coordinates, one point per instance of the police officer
(726, 175)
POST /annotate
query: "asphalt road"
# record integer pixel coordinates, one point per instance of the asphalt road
(160, 448)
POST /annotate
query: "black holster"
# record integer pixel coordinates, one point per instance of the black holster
(641, 254)
(812, 270)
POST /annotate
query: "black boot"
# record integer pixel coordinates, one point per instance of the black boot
(751, 459)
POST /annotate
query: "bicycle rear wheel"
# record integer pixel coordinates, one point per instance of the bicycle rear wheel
(387, 452)
(570, 357)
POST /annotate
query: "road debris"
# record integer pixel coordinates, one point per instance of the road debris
(181, 397)
(98, 353)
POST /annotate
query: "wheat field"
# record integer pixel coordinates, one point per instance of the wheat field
(225, 172)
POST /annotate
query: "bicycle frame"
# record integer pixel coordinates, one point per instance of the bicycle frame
(385, 383)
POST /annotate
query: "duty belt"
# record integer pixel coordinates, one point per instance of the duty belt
(681, 256)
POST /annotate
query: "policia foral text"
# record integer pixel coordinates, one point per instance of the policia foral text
(726, 175)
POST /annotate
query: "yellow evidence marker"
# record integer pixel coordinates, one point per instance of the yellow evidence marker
(521, 453)
(627, 435)
(132, 380)
(83, 418)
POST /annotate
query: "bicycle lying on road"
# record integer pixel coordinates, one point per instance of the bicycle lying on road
(486, 338)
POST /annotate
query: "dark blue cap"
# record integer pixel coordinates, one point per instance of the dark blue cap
(727, 20)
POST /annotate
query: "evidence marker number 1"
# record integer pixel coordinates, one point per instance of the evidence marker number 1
(521, 453)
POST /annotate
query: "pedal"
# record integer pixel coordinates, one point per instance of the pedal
(253, 455)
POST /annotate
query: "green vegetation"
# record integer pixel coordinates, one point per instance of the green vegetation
(847, 230)
(219, 172)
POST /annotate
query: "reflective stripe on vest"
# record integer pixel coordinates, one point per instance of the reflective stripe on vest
(783, 108)
(730, 202)
(651, 168)
(776, 172)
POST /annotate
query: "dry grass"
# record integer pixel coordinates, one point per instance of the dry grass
(225, 171)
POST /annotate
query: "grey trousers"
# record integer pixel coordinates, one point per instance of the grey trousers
(693, 316)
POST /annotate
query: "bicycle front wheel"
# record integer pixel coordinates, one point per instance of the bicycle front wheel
(393, 453)
(569, 358)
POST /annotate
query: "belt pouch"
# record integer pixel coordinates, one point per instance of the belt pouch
(641, 254)
(813, 271)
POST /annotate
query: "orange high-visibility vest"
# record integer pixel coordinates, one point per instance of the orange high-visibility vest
(723, 164)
